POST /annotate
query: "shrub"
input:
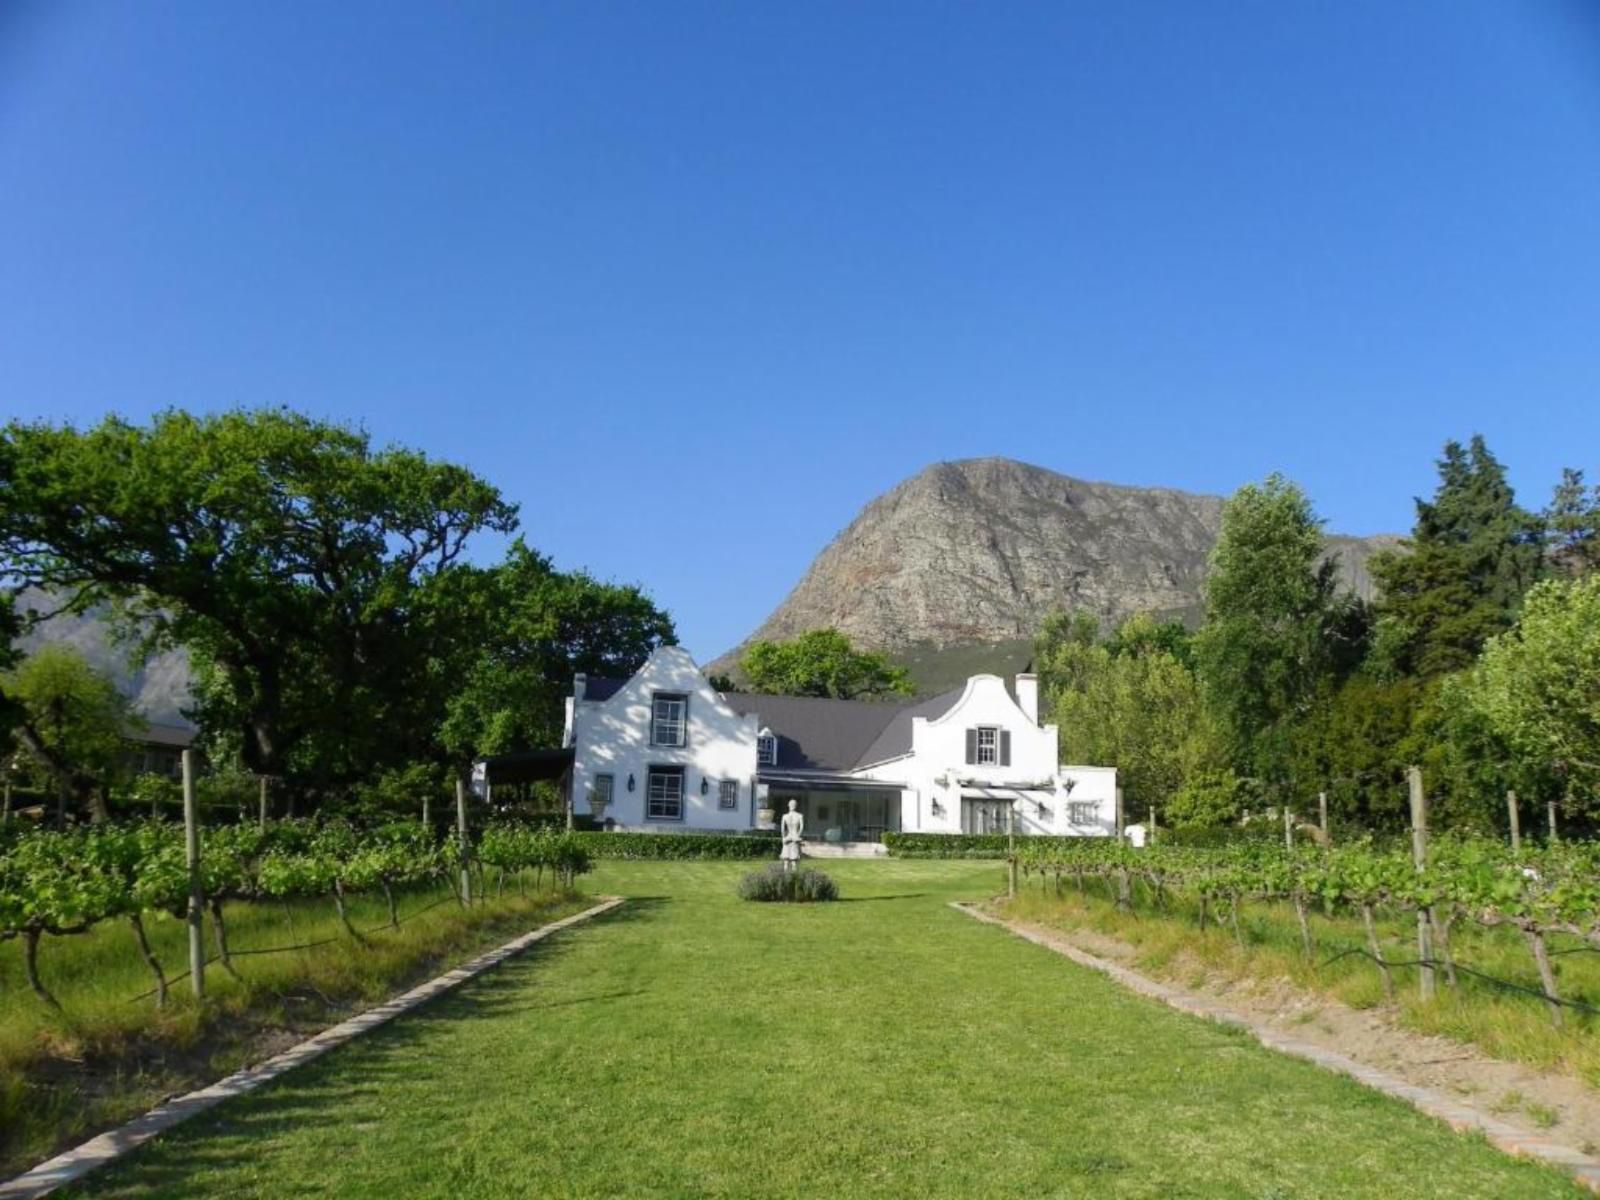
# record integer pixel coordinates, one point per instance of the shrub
(963, 845)
(803, 886)
(679, 846)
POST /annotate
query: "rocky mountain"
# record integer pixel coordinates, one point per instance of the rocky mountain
(978, 551)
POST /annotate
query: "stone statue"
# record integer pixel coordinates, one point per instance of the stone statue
(794, 828)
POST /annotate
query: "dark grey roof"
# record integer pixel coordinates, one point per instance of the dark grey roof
(176, 736)
(895, 739)
(598, 687)
(816, 734)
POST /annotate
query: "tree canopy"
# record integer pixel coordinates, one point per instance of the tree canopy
(822, 663)
(1537, 686)
(288, 554)
(73, 722)
(1130, 699)
(1275, 627)
(537, 628)
(1472, 554)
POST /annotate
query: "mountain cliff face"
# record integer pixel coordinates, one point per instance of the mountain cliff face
(978, 551)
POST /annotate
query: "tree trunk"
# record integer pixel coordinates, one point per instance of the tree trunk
(150, 960)
(1233, 916)
(30, 964)
(219, 934)
(344, 917)
(1547, 975)
(1377, 952)
(388, 896)
(1124, 890)
(1202, 913)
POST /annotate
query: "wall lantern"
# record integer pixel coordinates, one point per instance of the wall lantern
(705, 785)
(630, 781)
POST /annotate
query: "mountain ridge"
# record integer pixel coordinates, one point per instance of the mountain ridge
(979, 550)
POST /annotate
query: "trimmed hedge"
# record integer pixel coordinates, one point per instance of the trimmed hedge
(965, 845)
(679, 846)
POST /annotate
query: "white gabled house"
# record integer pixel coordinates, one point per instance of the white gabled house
(665, 751)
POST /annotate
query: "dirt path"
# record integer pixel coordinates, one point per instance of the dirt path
(1542, 1105)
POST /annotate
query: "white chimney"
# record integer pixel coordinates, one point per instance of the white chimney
(580, 685)
(1028, 696)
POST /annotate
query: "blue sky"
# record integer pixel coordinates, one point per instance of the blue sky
(694, 282)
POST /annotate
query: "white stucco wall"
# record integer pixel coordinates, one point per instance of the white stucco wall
(939, 750)
(613, 737)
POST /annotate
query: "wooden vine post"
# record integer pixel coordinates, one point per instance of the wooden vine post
(461, 833)
(1288, 829)
(1011, 849)
(1516, 821)
(1322, 817)
(1554, 835)
(262, 819)
(1419, 858)
(1119, 812)
(197, 900)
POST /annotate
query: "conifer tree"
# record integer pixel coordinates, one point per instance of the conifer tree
(1472, 554)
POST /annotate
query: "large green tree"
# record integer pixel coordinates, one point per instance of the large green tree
(1472, 554)
(1277, 629)
(1537, 686)
(294, 559)
(822, 663)
(73, 724)
(537, 628)
(1130, 701)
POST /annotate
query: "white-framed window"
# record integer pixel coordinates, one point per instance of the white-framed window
(663, 794)
(767, 750)
(728, 793)
(669, 719)
(988, 745)
(600, 793)
(1081, 812)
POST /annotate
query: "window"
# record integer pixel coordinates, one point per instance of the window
(600, 793)
(1081, 812)
(663, 796)
(989, 746)
(767, 750)
(728, 793)
(668, 719)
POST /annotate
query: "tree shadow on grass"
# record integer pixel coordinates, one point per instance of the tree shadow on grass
(865, 899)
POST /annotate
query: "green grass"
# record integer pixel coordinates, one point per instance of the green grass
(1509, 1025)
(694, 1045)
(109, 1054)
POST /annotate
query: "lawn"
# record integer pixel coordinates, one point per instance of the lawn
(108, 1054)
(694, 1045)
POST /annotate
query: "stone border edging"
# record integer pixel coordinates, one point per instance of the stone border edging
(107, 1147)
(1463, 1118)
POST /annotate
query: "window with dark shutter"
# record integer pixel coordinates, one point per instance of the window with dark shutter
(1005, 747)
(972, 745)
